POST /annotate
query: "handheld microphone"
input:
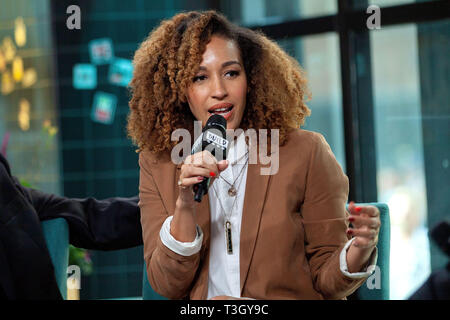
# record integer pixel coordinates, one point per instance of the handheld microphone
(214, 140)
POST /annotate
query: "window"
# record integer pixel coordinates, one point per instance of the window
(28, 123)
(399, 149)
(318, 55)
(258, 12)
(362, 4)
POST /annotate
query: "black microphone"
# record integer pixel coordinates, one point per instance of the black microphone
(214, 140)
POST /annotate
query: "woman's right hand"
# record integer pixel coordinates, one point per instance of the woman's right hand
(195, 169)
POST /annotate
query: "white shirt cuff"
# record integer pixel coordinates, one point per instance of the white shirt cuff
(357, 275)
(182, 248)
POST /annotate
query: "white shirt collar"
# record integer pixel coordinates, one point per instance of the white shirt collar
(237, 150)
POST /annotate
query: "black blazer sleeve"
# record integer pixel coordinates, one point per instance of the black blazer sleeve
(108, 224)
(26, 270)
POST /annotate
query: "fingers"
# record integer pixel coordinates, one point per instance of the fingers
(364, 242)
(191, 175)
(351, 206)
(189, 171)
(205, 160)
(201, 158)
(222, 165)
(370, 211)
(363, 232)
(187, 182)
(364, 237)
(364, 216)
(366, 225)
(360, 221)
(198, 166)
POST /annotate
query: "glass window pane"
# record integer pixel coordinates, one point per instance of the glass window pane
(260, 12)
(410, 71)
(28, 124)
(362, 4)
(400, 167)
(319, 57)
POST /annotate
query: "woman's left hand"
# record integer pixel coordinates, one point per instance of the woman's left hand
(366, 225)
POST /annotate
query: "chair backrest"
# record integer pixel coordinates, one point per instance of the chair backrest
(377, 285)
(375, 288)
(56, 233)
(147, 292)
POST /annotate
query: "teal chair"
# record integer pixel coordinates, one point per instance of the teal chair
(56, 234)
(147, 292)
(377, 286)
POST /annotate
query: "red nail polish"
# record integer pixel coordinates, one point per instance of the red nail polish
(351, 219)
(358, 209)
(212, 174)
(200, 178)
(349, 231)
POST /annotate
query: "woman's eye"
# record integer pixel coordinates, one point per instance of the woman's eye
(198, 78)
(233, 73)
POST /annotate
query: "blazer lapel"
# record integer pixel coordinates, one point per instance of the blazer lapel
(255, 196)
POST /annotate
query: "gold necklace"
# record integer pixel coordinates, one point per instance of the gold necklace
(232, 190)
(227, 225)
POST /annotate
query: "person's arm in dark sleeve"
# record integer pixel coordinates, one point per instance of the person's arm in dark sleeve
(108, 224)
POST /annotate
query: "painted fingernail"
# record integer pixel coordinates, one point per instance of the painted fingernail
(212, 174)
(349, 231)
(200, 178)
(358, 209)
(351, 219)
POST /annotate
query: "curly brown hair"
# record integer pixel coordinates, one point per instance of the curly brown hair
(167, 61)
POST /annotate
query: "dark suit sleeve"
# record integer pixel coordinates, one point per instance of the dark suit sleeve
(26, 269)
(108, 224)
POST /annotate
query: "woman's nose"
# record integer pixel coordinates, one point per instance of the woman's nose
(218, 90)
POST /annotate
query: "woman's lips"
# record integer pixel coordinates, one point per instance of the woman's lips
(226, 115)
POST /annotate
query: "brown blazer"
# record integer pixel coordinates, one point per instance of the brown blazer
(293, 227)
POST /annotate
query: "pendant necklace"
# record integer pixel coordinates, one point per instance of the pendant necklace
(227, 225)
(232, 190)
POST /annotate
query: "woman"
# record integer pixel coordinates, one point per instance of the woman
(278, 236)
